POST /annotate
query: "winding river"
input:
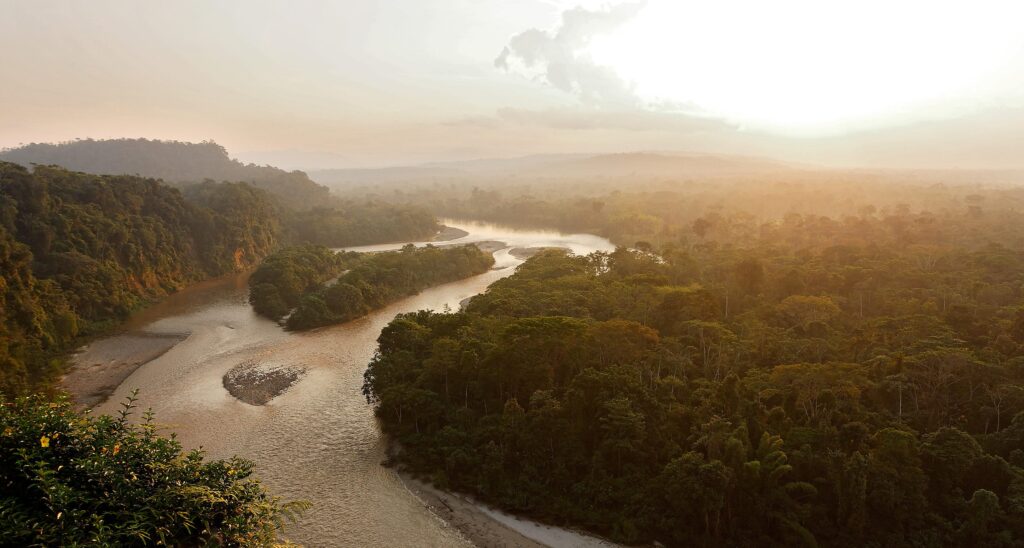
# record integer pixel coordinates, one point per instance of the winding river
(318, 441)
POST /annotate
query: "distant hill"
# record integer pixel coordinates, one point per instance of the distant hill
(174, 162)
(655, 164)
(660, 165)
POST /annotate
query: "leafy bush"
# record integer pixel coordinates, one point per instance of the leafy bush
(67, 478)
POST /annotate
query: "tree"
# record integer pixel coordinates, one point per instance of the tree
(694, 491)
(804, 310)
(749, 274)
(896, 483)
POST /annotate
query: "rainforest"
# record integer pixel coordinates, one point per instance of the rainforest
(542, 274)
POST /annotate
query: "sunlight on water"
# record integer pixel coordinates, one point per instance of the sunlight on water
(319, 440)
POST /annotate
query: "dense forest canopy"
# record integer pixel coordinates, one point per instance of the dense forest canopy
(377, 279)
(668, 208)
(312, 286)
(352, 223)
(81, 251)
(847, 380)
(278, 284)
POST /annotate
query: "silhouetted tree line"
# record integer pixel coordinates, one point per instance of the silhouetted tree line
(811, 380)
(171, 161)
(308, 212)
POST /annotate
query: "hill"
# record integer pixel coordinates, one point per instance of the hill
(564, 167)
(172, 161)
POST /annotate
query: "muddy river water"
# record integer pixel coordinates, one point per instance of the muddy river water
(319, 440)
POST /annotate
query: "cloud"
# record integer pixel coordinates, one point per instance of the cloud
(558, 56)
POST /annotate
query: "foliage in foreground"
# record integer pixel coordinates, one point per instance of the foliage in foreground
(67, 479)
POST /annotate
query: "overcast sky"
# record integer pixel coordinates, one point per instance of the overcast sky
(306, 84)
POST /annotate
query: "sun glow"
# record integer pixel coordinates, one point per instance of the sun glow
(813, 66)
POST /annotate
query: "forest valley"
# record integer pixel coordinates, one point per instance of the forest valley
(79, 252)
(796, 357)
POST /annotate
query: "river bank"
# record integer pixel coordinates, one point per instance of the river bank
(488, 527)
(466, 517)
(102, 365)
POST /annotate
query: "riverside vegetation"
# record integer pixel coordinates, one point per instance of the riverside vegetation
(79, 252)
(313, 286)
(809, 380)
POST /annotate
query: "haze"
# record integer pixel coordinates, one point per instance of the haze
(358, 84)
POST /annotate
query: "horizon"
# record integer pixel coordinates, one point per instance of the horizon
(795, 165)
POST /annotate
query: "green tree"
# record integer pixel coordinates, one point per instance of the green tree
(73, 479)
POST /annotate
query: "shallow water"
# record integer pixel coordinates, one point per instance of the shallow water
(318, 441)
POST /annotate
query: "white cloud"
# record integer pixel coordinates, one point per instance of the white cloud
(559, 57)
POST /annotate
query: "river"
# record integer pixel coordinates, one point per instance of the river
(318, 441)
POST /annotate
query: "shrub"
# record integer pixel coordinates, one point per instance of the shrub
(68, 478)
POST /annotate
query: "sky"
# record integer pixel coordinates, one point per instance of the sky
(319, 84)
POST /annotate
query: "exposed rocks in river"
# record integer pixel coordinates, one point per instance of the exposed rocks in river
(257, 383)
